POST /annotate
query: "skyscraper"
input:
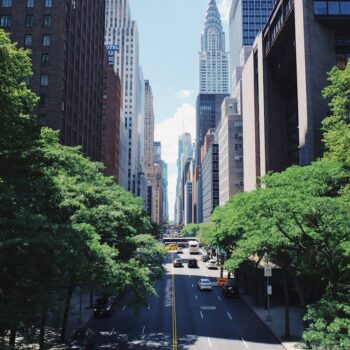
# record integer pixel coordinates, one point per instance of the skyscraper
(213, 59)
(67, 58)
(247, 18)
(122, 33)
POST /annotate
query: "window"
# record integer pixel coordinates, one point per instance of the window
(48, 3)
(5, 21)
(345, 7)
(44, 60)
(47, 21)
(6, 3)
(29, 3)
(47, 40)
(44, 80)
(29, 21)
(42, 119)
(28, 39)
(333, 7)
(43, 100)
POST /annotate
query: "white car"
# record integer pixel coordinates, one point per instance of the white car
(211, 264)
(204, 284)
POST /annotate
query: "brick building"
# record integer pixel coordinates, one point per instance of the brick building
(110, 125)
(67, 42)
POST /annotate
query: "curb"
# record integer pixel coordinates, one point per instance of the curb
(268, 328)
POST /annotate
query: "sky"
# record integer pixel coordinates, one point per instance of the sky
(170, 33)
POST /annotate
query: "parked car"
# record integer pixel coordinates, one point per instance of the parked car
(204, 284)
(211, 264)
(103, 307)
(82, 339)
(177, 263)
(192, 263)
(205, 257)
(230, 288)
(180, 250)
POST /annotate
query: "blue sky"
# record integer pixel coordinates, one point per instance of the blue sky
(169, 43)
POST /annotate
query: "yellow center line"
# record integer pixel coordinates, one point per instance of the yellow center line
(174, 309)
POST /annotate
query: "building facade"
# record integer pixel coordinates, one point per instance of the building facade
(110, 126)
(208, 116)
(229, 136)
(122, 33)
(246, 19)
(213, 59)
(210, 177)
(67, 57)
(282, 117)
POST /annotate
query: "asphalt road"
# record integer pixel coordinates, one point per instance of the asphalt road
(182, 317)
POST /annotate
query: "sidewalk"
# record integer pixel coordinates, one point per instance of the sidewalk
(276, 325)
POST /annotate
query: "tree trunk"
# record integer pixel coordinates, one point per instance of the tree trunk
(12, 342)
(91, 297)
(42, 328)
(286, 305)
(66, 313)
(300, 293)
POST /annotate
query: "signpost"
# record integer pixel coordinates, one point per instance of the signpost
(268, 274)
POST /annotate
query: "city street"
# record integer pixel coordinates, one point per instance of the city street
(186, 319)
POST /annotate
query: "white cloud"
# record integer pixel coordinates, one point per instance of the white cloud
(184, 93)
(224, 9)
(168, 132)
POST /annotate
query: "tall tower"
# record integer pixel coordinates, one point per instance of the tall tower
(122, 32)
(213, 59)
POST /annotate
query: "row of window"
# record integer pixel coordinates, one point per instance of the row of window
(332, 7)
(29, 3)
(28, 40)
(5, 21)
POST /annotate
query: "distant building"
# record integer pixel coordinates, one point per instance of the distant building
(229, 136)
(210, 177)
(185, 153)
(110, 126)
(157, 152)
(122, 33)
(165, 192)
(283, 80)
(208, 117)
(70, 91)
(213, 59)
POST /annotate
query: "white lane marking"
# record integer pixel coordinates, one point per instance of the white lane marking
(201, 314)
(149, 306)
(219, 297)
(228, 314)
(196, 297)
(112, 331)
(209, 342)
(189, 276)
(124, 307)
(143, 329)
(192, 285)
(245, 344)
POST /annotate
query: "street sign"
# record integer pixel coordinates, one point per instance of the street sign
(268, 270)
(269, 290)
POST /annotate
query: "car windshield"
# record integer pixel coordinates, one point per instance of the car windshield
(205, 281)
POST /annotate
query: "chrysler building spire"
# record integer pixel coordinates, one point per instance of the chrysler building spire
(213, 59)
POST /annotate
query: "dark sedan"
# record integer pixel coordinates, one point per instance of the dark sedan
(230, 289)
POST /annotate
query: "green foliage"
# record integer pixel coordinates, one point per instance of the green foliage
(190, 230)
(336, 127)
(63, 223)
(329, 322)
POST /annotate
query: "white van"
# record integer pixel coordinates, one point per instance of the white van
(194, 247)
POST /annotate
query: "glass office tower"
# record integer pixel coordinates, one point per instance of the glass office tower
(247, 18)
